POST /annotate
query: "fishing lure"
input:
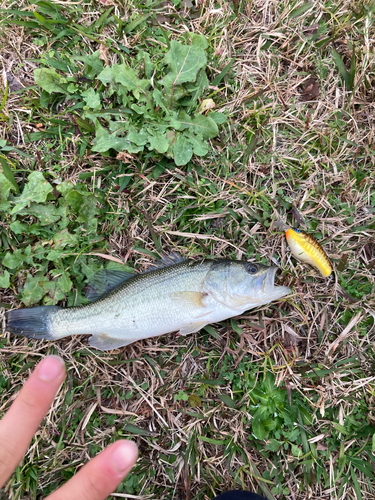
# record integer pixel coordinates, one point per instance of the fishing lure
(306, 249)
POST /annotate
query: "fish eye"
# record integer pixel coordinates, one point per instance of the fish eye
(252, 268)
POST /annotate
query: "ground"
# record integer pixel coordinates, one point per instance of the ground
(280, 400)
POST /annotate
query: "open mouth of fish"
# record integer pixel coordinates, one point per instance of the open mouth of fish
(269, 280)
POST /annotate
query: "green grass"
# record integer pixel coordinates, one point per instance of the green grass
(267, 401)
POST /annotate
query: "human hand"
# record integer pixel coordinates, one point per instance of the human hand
(96, 480)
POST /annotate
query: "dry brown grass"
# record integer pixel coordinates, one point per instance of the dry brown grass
(314, 152)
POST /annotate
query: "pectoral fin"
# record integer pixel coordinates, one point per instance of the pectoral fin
(189, 299)
(104, 342)
(192, 327)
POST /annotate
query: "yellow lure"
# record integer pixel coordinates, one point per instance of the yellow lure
(306, 249)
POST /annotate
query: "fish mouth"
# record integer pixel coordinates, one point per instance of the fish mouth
(268, 284)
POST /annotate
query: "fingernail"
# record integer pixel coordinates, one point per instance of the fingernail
(124, 457)
(51, 368)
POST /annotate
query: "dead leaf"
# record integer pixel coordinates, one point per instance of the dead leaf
(291, 338)
(352, 323)
(105, 256)
(117, 412)
(104, 52)
(77, 132)
(195, 400)
(161, 18)
(347, 295)
(39, 126)
(13, 83)
(205, 105)
(321, 447)
(311, 90)
(342, 47)
(368, 251)
(189, 10)
(125, 157)
(311, 30)
(342, 264)
(297, 215)
(145, 410)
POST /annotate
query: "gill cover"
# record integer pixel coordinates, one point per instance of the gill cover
(238, 285)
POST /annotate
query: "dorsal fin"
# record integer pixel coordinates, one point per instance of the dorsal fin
(167, 260)
(104, 281)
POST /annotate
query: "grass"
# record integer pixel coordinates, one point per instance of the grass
(280, 400)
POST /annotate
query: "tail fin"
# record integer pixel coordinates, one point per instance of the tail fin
(34, 323)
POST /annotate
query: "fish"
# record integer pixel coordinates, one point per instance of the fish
(305, 248)
(178, 296)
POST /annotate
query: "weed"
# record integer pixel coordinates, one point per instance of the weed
(129, 111)
(278, 401)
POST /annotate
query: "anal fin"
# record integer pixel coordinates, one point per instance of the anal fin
(104, 342)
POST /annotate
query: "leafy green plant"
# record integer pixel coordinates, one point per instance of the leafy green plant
(49, 229)
(153, 107)
(271, 412)
(272, 415)
(269, 407)
(356, 286)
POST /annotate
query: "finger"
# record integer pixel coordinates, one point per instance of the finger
(26, 413)
(101, 476)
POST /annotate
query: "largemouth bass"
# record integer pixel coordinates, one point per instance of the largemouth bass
(180, 296)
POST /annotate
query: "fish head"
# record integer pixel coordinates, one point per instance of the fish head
(242, 285)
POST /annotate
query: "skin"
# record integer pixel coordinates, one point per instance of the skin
(98, 478)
